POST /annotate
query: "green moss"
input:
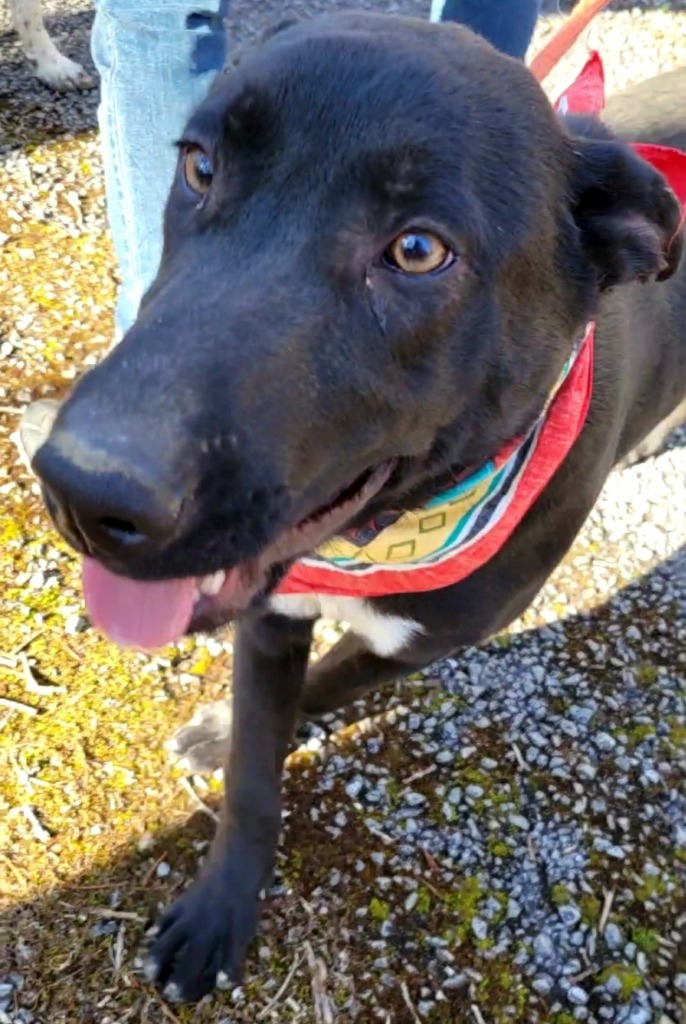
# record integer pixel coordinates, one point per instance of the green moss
(471, 776)
(630, 979)
(423, 904)
(638, 733)
(498, 848)
(10, 531)
(393, 791)
(340, 997)
(560, 895)
(677, 731)
(292, 868)
(497, 790)
(590, 907)
(500, 989)
(462, 904)
(502, 899)
(563, 1017)
(646, 939)
(646, 673)
(503, 640)
(43, 602)
(465, 898)
(650, 887)
(378, 910)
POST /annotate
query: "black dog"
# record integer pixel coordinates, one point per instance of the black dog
(382, 253)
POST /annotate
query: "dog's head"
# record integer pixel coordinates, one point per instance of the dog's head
(380, 247)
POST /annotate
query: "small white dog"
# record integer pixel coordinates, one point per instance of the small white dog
(51, 66)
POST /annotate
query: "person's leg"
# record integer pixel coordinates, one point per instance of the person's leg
(156, 60)
(506, 24)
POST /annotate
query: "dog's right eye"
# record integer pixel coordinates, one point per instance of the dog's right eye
(418, 252)
(197, 169)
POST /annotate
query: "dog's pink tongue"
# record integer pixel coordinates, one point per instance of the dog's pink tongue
(134, 614)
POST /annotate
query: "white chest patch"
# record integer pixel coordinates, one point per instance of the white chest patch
(385, 635)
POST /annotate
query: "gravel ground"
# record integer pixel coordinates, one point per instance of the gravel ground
(503, 840)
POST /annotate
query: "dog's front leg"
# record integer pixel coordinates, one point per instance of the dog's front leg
(207, 930)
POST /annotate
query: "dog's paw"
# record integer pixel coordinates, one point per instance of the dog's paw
(201, 745)
(63, 74)
(203, 938)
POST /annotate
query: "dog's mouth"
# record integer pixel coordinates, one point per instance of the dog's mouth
(152, 614)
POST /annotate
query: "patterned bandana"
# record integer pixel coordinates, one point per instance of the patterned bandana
(459, 530)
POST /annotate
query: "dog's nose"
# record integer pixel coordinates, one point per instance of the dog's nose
(104, 502)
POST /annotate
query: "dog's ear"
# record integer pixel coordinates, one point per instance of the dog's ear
(628, 217)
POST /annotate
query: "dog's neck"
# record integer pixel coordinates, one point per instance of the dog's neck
(459, 528)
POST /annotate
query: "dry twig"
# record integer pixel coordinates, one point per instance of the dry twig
(518, 754)
(274, 1002)
(156, 998)
(477, 1015)
(40, 833)
(431, 861)
(576, 978)
(607, 907)
(152, 869)
(118, 951)
(407, 999)
(14, 869)
(421, 774)
(118, 915)
(199, 804)
(26, 643)
(32, 684)
(531, 848)
(18, 705)
(322, 1004)
(383, 836)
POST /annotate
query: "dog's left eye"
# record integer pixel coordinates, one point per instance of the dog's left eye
(417, 252)
(197, 169)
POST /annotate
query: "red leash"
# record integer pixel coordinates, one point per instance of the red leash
(565, 37)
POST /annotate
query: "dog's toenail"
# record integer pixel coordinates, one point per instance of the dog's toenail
(172, 992)
(150, 969)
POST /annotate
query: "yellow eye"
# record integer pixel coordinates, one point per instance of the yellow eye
(417, 252)
(197, 169)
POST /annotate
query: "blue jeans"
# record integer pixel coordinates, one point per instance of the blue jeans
(156, 60)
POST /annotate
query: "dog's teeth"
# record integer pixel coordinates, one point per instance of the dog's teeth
(212, 584)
